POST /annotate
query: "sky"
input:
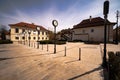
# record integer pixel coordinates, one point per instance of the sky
(41, 12)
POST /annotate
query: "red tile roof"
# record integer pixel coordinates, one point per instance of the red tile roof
(98, 21)
(27, 25)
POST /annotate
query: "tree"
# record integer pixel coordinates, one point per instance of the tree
(3, 30)
(51, 35)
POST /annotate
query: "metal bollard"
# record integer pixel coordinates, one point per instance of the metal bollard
(47, 47)
(79, 54)
(42, 46)
(37, 45)
(34, 44)
(65, 51)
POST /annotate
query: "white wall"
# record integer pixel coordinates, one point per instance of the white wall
(85, 34)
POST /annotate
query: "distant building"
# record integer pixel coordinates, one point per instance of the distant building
(20, 32)
(7, 35)
(65, 34)
(114, 34)
(92, 29)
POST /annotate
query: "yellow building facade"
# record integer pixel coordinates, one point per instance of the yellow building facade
(25, 32)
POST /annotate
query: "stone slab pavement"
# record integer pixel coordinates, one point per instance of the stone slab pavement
(20, 62)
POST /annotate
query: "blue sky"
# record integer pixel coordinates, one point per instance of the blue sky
(42, 12)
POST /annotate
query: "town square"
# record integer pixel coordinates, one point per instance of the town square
(59, 40)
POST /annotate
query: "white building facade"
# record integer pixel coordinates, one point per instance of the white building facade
(92, 30)
(25, 32)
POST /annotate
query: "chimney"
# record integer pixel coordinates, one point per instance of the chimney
(90, 18)
(33, 23)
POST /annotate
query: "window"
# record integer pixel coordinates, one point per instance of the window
(46, 33)
(23, 37)
(38, 32)
(42, 33)
(17, 38)
(42, 38)
(92, 30)
(46, 38)
(38, 37)
(16, 30)
(29, 37)
(34, 38)
(23, 30)
(34, 32)
(83, 31)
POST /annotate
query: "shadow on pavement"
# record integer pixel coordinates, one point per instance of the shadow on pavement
(72, 61)
(1, 59)
(78, 76)
(4, 50)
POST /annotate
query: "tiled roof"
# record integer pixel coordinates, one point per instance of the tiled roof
(98, 21)
(66, 31)
(27, 25)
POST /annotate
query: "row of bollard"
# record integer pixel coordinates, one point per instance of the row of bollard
(34, 45)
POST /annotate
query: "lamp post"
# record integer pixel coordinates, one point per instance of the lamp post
(55, 24)
(105, 12)
(29, 32)
(38, 30)
(117, 16)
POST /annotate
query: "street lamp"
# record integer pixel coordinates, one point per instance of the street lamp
(105, 13)
(38, 29)
(29, 32)
(117, 16)
(55, 24)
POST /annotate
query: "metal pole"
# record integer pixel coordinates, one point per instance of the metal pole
(37, 41)
(55, 24)
(31, 44)
(116, 41)
(105, 12)
(24, 38)
(42, 46)
(29, 39)
(54, 39)
(34, 44)
(65, 51)
(79, 54)
(105, 32)
(47, 46)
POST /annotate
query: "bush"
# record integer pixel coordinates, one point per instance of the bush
(52, 42)
(5, 42)
(114, 66)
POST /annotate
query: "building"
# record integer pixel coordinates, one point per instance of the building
(7, 35)
(92, 30)
(65, 34)
(27, 32)
(114, 34)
